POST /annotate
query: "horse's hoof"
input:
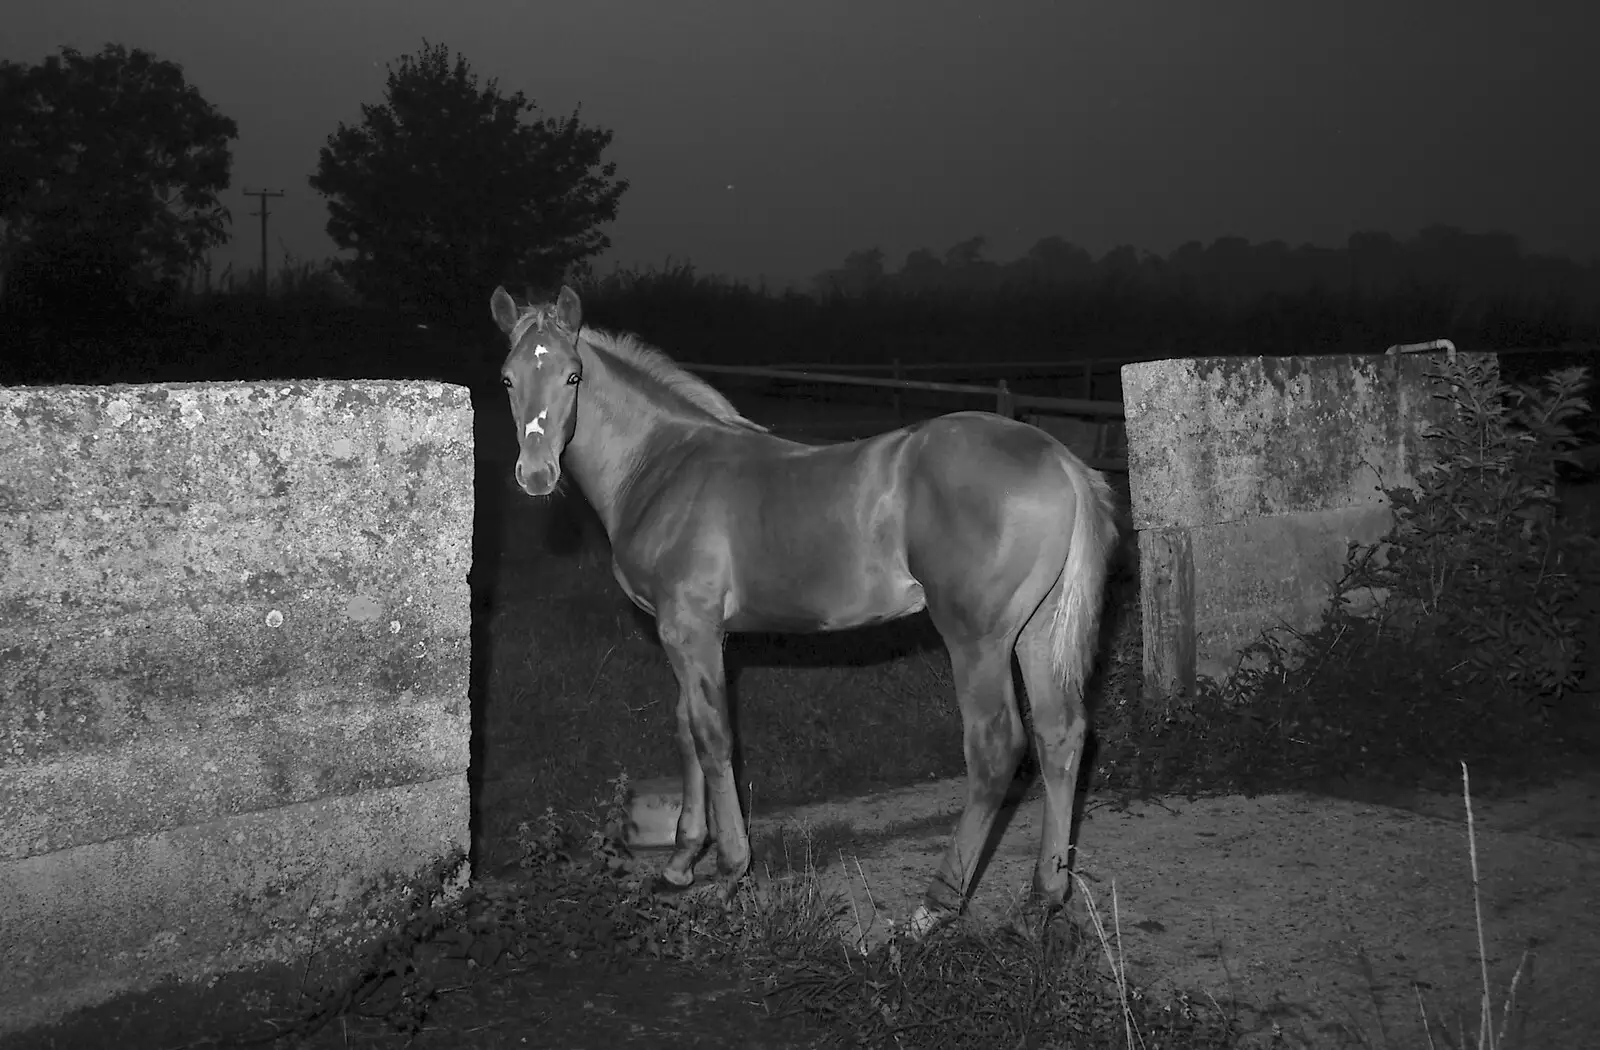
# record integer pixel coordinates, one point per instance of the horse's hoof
(1048, 906)
(727, 889)
(925, 920)
(664, 886)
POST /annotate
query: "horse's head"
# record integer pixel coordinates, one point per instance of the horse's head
(541, 374)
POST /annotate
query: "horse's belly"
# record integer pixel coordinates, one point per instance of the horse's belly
(787, 600)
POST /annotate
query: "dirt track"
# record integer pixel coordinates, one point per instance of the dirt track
(1320, 913)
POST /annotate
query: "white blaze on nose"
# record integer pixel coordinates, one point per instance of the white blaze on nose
(536, 424)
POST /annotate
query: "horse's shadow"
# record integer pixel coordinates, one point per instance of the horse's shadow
(854, 647)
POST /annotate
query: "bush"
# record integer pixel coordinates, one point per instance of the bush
(1476, 566)
(1457, 637)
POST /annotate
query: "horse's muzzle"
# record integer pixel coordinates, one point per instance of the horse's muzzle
(538, 480)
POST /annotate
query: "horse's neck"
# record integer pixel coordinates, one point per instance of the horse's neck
(618, 432)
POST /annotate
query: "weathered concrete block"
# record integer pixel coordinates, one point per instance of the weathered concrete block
(1258, 573)
(1268, 468)
(268, 886)
(234, 647)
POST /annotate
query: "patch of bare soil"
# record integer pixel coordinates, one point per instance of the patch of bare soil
(1324, 916)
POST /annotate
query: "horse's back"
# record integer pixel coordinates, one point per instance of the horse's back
(977, 440)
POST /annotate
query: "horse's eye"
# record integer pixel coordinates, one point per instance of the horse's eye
(507, 381)
(572, 380)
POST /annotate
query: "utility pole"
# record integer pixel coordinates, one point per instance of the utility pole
(262, 195)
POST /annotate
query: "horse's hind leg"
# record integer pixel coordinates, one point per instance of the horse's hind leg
(995, 742)
(705, 746)
(1059, 728)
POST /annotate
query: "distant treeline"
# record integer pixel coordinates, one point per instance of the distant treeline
(1059, 303)
(1232, 272)
(1054, 304)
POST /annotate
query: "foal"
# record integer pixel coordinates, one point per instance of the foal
(991, 525)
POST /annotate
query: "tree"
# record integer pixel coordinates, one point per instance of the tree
(922, 271)
(444, 191)
(861, 274)
(110, 166)
(966, 255)
(1054, 260)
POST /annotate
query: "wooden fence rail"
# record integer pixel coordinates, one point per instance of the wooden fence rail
(1006, 401)
(1085, 371)
(895, 365)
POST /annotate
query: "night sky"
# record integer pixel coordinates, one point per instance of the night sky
(766, 139)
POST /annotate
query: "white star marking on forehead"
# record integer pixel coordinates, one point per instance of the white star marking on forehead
(536, 424)
(531, 318)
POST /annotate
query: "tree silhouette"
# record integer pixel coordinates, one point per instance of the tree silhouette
(110, 166)
(965, 255)
(1055, 260)
(444, 190)
(921, 271)
(861, 273)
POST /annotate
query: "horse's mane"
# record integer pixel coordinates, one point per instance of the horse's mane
(657, 366)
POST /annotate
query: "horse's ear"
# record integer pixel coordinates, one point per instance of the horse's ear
(569, 311)
(503, 309)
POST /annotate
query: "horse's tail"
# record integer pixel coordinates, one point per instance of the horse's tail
(1075, 628)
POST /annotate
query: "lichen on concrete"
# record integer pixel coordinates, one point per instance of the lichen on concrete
(222, 602)
(1213, 440)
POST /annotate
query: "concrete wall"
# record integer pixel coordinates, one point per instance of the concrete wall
(233, 673)
(1248, 477)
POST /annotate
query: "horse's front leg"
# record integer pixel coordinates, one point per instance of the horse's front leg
(690, 839)
(705, 746)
